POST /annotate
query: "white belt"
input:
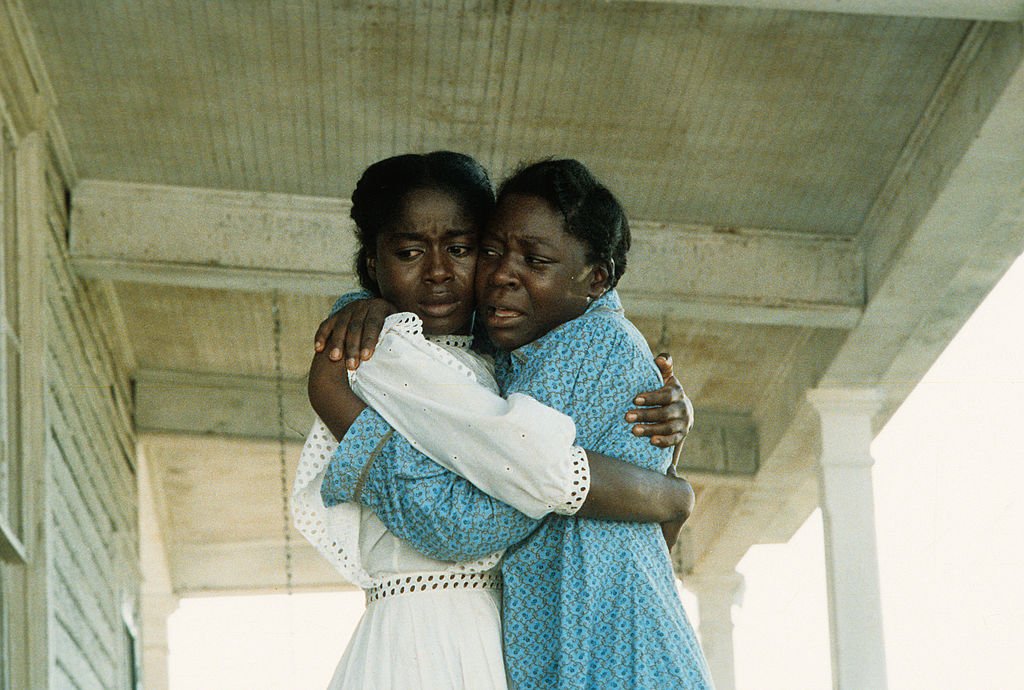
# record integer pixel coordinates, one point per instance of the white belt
(397, 585)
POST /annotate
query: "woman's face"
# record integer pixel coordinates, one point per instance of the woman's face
(426, 262)
(532, 276)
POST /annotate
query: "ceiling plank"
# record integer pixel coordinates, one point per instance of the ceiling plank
(991, 10)
(258, 241)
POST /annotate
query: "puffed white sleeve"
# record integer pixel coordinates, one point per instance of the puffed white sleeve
(333, 530)
(516, 450)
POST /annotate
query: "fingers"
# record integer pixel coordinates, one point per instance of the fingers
(661, 435)
(657, 415)
(667, 415)
(323, 332)
(666, 395)
(663, 405)
(664, 362)
(335, 343)
(351, 333)
(660, 427)
(354, 338)
(373, 324)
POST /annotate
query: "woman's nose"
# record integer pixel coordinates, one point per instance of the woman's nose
(504, 272)
(440, 267)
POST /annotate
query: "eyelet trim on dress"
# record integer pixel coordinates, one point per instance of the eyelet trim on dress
(408, 324)
(463, 342)
(430, 582)
(580, 482)
(340, 548)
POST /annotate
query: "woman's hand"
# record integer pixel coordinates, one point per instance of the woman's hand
(352, 331)
(666, 415)
(670, 532)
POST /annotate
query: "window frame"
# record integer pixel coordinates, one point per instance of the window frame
(12, 460)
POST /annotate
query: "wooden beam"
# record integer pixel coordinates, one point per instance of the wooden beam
(208, 238)
(990, 10)
(234, 406)
(743, 275)
(246, 407)
(255, 241)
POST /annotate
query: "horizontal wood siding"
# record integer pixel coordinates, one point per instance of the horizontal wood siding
(93, 555)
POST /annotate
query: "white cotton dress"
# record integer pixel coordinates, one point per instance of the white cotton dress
(429, 624)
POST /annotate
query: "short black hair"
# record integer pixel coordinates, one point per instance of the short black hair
(591, 212)
(379, 197)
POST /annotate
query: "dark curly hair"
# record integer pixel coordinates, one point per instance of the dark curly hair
(591, 212)
(379, 197)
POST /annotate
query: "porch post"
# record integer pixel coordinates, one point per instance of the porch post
(716, 595)
(851, 554)
(156, 609)
(158, 600)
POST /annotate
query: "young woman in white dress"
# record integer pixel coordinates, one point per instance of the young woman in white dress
(428, 623)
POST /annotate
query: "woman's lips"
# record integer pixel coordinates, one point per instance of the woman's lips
(502, 316)
(440, 308)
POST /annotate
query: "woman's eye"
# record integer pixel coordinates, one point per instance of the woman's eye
(460, 250)
(408, 253)
(536, 260)
(488, 252)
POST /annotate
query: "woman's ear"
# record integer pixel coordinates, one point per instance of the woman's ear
(598, 281)
(371, 267)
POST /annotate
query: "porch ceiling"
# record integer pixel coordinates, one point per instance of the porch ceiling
(797, 180)
(714, 115)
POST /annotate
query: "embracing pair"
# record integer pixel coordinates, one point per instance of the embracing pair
(472, 467)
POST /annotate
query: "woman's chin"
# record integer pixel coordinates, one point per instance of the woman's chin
(507, 339)
(444, 326)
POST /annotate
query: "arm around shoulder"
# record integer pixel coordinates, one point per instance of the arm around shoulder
(623, 491)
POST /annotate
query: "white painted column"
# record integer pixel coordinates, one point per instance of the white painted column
(851, 553)
(716, 595)
(156, 609)
(158, 600)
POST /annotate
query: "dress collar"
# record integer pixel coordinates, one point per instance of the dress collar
(462, 342)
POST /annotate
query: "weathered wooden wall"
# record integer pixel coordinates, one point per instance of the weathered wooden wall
(69, 592)
(91, 454)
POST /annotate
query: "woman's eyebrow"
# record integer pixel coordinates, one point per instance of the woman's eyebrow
(461, 232)
(536, 241)
(411, 236)
(406, 235)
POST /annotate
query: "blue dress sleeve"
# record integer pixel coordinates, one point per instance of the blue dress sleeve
(348, 298)
(436, 511)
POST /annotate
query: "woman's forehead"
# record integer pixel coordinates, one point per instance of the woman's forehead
(526, 217)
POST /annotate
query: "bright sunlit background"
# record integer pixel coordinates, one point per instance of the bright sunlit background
(948, 475)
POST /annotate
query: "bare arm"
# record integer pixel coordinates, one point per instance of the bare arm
(330, 395)
(623, 491)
